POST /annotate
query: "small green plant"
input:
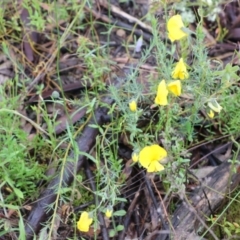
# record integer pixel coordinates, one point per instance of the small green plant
(227, 222)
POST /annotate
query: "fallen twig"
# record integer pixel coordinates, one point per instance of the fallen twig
(129, 214)
(213, 192)
(146, 36)
(149, 188)
(122, 14)
(40, 211)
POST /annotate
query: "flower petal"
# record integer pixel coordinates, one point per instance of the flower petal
(133, 106)
(157, 153)
(84, 222)
(174, 27)
(215, 106)
(134, 157)
(150, 156)
(108, 213)
(155, 166)
(145, 157)
(162, 93)
(175, 87)
(180, 70)
(211, 114)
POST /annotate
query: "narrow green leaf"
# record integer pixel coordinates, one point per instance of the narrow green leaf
(119, 213)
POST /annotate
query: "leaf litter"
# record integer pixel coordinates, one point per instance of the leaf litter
(37, 53)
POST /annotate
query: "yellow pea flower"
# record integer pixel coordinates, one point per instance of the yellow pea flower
(175, 87)
(174, 27)
(162, 94)
(108, 213)
(151, 156)
(134, 157)
(236, 225)
(133, 106)
(211, 114)
(180, 71)
(84, 222)
(215, 106)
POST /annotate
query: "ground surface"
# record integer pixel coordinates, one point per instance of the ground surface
(68, 70)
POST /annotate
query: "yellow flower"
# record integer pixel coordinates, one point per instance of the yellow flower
(150, 156)
(175, 87)
(174, 27)
(133, 106)
(180, 70)
(84, 222)
(211, 114)
(215, 106)
(134, 157)
(162, 93)
(108, 213)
